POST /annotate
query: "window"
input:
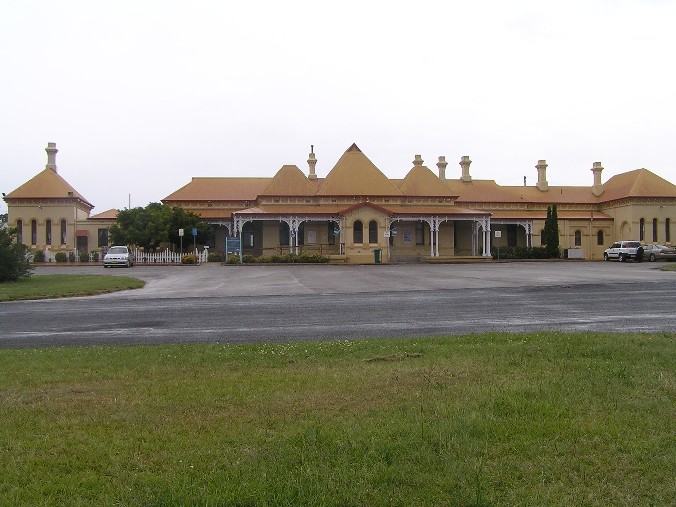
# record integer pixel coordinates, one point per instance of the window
(373, 231)
(34, 232)
(19, 232)
(578, 238)
(654, 230)
(667, 232)
(420, 233)
(103, 237)
(283, 234)
(358, 232)
(542, 237)
(48, 232)
(641, 229)
(600, 238)
(63, 232)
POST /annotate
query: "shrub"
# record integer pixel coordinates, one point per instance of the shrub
(60, 257)
(282, 259)
(312, 258)
(189, 259)
(71, 256)
(520, 252)
(264, 259)
(39, 256)
(248, 259)
(215, 257)
(84, 257)
(232, 259)
(14, 257)
(95, 257)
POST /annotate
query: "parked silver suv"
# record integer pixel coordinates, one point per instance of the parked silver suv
(623, 250)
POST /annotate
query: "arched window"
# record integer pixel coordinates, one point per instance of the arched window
(654, 230)
(63, 232)
(641, 229)
(19, 232)
(283, 234)
(373, 231)
(48, 232)
(34, 232)
(599, 238)
(542, 237)
(578, 238)
(667, 231)
(358, 232)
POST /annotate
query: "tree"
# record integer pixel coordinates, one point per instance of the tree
(552, 232)
(155, 224)
(14, 259)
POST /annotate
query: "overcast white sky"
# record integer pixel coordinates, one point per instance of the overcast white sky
(140, 95)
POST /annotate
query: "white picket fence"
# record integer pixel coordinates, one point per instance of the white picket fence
(140, 257)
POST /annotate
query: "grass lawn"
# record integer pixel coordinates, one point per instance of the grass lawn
(496, 419)
(669, 267)
(56, 286)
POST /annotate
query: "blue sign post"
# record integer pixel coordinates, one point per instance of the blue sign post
(233, 244)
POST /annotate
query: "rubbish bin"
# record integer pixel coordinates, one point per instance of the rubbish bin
(377, 255)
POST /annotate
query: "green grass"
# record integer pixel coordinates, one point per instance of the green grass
(547, 419)
(58, 286)
(669, 267)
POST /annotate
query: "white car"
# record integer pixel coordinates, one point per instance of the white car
(118, 256)
(623, 250)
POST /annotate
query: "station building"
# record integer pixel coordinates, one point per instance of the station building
(356, 214)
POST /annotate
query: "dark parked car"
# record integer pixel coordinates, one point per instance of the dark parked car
(659, 253)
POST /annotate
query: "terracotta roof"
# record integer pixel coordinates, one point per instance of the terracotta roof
(637, 183)
(479, 191)
(220, 189)
(110, 214)
(421, 209)
(355, 174)
(554, 195)
(295, 209)
(47, 184)
(542, 214)
(290, 180)
(421, 181)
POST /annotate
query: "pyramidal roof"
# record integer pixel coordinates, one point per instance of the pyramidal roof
(290, 180)
(420, 180)
(637, 183)
(47, 184)
(355, 174)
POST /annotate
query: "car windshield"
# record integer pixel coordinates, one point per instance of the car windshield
(118, 250)
(661, 247)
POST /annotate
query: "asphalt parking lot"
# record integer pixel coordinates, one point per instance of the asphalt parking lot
(246, 304)
(213, 280)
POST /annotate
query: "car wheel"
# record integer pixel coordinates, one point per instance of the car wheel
(105, 266)
(605, 257)
(652, 258)
(620, 257)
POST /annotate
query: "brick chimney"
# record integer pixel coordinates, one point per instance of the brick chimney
(51, 156)
(441, 165)
(597, 189)
(542, 175)
(312, 162)
(464, 163)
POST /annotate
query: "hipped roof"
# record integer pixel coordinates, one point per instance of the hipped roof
(290, 180)
(355, 174)
(220, 189)
(47, 184)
